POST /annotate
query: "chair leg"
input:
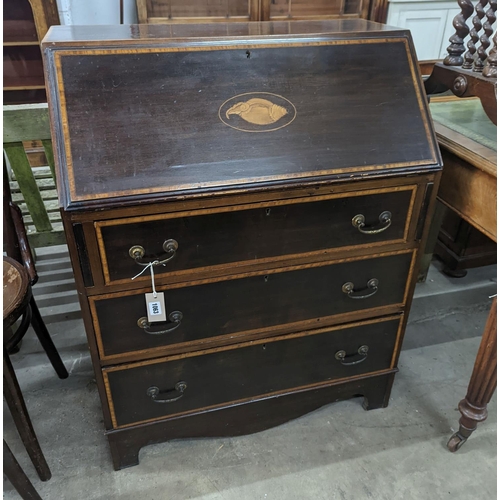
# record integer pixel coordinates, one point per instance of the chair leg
(7, 333)
(44, 337)
(15, 401)
(15, 338)
(17, 477)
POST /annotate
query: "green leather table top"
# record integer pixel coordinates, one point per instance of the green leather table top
(468, 118)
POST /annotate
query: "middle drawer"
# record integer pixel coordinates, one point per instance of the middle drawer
(260, 301)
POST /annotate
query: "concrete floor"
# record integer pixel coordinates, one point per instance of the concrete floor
(338, 452)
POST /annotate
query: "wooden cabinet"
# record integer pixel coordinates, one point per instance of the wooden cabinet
(274, 10)
(172, 11)
(431, 24)
(461, 246)
(278, 191)
(163, 11)
(25, 23)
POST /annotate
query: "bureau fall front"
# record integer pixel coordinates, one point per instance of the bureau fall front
(270, 186)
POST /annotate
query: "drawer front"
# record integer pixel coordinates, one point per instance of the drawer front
(210, 238)
(255, 302)
(264, 367)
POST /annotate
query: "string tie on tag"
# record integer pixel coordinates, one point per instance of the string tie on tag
(150, 266)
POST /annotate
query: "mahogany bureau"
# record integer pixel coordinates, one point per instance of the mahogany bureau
(277, 178)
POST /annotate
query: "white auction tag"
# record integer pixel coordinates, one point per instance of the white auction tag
(155, 303)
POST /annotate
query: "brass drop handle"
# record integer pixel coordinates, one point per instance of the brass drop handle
(352, 359)
(372, 285)
(137, 252)
(175, 318)
(178, 391)
(358, 221)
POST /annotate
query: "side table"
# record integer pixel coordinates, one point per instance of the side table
(467, 140)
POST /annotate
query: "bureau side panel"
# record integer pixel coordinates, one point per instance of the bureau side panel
(77, 247)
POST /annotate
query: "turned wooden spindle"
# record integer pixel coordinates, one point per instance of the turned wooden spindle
(490, 70)
(457, 47)
(477, 26)
(482, 384)
(482, 50)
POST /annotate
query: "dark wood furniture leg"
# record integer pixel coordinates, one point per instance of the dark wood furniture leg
(432, 238)
(239, 419)
(17, 406)
(482, 384)
(46, 341)
(461, 246)
(17, 477)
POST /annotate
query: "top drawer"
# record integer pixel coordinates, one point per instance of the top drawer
(248, 233)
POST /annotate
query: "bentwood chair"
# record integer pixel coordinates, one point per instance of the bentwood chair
(16, 475)
(19, 306)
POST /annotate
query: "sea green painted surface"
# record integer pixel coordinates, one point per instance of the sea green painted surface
(30, 122)
(26, 122)
(49, 154)
(27, 184)
(47, 239)
(468, 118)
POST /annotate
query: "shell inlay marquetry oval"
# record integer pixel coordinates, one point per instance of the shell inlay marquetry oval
(257, 112)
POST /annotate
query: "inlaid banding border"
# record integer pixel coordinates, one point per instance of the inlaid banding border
(74, 196)
(273, 330)
(251, 206)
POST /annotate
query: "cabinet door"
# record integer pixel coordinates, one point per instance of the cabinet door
(427, 28)
(431, 25)
(275, 10)
(171, 11)
(197, 11)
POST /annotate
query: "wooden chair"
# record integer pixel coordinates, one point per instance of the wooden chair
(19, 274)
(473, 74)
(30, 122)
(468, 185)
(16, 475)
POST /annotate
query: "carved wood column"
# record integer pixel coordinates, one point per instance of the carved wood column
(484, 39)
(490, 70)
(477, 26)
(482, 384)
(457, 48)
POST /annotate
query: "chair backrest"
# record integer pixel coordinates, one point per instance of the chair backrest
(471, 71)
(16, 244)
(481, 52)
(30, 122)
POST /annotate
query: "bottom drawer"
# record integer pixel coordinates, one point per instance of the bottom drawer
(160, 388)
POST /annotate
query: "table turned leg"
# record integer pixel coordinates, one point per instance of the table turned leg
(482, 384)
